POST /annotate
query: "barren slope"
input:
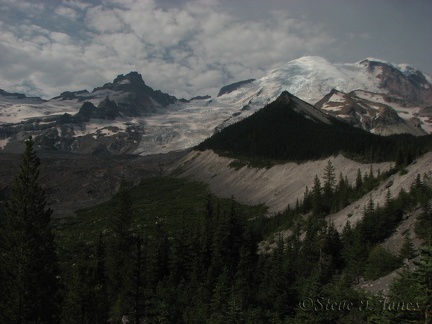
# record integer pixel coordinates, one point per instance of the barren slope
(275, 187)
(354, 212)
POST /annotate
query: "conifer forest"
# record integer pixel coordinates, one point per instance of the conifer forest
(199, 260)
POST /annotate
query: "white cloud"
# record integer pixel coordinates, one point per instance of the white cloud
(187, 50)
(66, 12)
(60, 38)
(103, 20)
(75, 4)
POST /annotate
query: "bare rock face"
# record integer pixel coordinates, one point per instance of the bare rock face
(233, 86)
(410, 84)
(373, 112)
(425, 112)
(137, 98)
(399, 105)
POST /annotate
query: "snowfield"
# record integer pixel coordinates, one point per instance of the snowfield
(183, 125)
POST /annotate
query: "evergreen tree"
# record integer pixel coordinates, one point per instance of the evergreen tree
(408, 250)
(307, 201)
(343, 192)
(359, 182)
(120, 254)
(332, 246)
(423, 277)
(329, 187)
(72, 308)
(138, 285)
(98, 305)
(380, 262)
(415, 287)
(317, 200)
(354, 253)
(29, 267)
(424, 224)
(371, 206)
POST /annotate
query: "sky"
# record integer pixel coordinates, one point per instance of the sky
(194, 47)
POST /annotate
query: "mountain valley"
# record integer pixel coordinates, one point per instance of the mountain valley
(313, 180)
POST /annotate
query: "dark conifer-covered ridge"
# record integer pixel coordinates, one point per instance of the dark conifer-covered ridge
(290, 129)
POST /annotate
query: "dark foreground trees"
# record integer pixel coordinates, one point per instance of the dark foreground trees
(205, 267)
(29, 270)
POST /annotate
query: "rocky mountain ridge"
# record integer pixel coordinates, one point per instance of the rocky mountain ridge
(402, 88)
(377, 113)
(128, 116)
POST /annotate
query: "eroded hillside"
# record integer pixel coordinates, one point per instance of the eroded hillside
(276, 187)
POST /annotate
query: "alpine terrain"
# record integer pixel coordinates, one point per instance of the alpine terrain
(300, 196)
(127, 116)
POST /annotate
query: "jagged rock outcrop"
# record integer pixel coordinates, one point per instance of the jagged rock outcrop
(233, 86)
(134, 97)
(200, 98)
(107, 109)
(19, 96)
(369, 94)
(71, 95)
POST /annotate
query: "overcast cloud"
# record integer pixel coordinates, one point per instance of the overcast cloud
(188, 48)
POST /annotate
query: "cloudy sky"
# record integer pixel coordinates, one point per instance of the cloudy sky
(194, 47)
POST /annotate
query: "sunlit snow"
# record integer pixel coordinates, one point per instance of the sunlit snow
(184, 125)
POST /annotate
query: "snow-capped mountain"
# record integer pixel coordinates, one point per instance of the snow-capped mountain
(311, 78)
(110, 116)
(127, 116)
(401, 88)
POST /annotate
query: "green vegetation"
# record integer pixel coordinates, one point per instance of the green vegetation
(195, 259)
(171, 202)
(29, 272)
(168, 251)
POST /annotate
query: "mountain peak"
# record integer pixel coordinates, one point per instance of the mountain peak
(302, 64)
(106, 101)
(132, 81)
(284, 97)
(373, 59)
(131, 77)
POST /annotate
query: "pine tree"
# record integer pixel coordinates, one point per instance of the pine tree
(343, 192)
(380, 262)
(307, 201)
(120, 253)
(354, 252)
(72, 310)
(98, 308)
(138, 285)
(359, 183)
(29, 273)
(414, 287)
(329, 186)
(424, 224)
(370, 206)
(423, 280)
(408, 250)
(317, 197)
